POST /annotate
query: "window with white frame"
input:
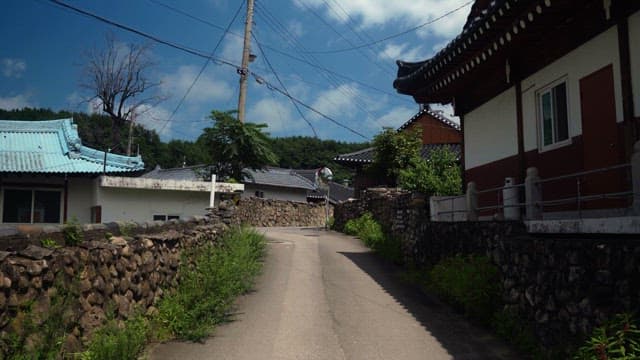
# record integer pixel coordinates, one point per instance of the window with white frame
(164, 217)
(552, 114)
(31, 206)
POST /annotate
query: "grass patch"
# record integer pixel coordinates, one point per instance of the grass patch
(118, 340)
(209, 283)
(367, 229)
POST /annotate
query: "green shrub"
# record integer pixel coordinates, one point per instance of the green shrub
(618, 339)
(512, 328)
(468, 282)
(49, 243)
(72, 232)
(210, 278)
(118, 341)
(372, 235)
(366, 228)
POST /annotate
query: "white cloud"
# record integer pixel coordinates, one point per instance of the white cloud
(275, 113)
(155, 118)
(404, 51)
(338, 103)
(209, 88)
(13, 67)
(447, 111)
(15, 102)
(232, 49)
(296, 28)
(397, 116)
(371, 13)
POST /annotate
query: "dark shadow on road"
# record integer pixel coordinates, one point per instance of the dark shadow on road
(463, 340)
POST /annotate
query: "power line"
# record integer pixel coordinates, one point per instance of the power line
(258, 78)
(272, 48)
(204, 66)
(394, 35)
(315, 134)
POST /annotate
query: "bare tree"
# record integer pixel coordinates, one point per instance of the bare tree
(117, 76)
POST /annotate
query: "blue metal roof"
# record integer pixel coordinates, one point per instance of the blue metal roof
(54, 146)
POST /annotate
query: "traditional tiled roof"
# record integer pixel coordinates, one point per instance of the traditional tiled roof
(189, 173)
(494, 22)
(54, 146)
(337, 192)
(366, 156)
(435, 114)
(278, 177)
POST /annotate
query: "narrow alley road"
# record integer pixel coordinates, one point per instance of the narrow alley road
(323, 295)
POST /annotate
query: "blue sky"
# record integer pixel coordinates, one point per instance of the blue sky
(43, 47)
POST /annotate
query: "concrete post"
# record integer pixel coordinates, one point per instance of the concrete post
(533, 194)
(472, 202)
(635, 177)
(212, 195)
(510, 200)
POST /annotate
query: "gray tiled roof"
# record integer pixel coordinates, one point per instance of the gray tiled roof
(278, 177)
(189, 173)
(337, 192)
(366, 156)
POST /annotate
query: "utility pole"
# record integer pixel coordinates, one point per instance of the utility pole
(244, 71)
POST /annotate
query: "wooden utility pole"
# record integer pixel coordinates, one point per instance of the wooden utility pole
(133, 118)
(244, 71)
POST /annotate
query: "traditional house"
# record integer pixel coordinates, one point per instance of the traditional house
(336, 192)
(546, 84)
(278, 184)
(438, 131)
(48, 176)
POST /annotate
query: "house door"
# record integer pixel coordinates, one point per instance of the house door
(600, 137)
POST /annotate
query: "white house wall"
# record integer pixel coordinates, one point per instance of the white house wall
(140, 205)
(634, 49)
(80, 200)
(277, 193)
(584, 60)
(490, 131)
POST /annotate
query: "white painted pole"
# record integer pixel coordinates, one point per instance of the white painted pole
(212, 196)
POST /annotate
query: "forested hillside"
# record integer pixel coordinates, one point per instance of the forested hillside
(95, 131)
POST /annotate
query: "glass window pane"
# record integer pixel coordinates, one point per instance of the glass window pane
(560, 101)
(46, 207)
(547, 121)
(159, 217)
(172, 217)
(16, 206)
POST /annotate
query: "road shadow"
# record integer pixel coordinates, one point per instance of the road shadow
(462, 339)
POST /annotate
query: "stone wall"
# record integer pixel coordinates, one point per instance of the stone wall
(564, 285)
(266, 212)
(121, 272)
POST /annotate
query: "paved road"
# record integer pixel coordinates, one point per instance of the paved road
(323, 295)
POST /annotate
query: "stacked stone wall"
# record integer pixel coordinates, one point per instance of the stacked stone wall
(119, 273)
(267, 212)
(563, 285)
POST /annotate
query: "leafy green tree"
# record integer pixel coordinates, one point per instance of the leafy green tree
(304, 152)
(395, 151)
(238, 145)
(438, 175)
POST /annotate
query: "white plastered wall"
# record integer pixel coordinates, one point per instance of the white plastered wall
(276, 193)
(634, 49)
(81, 197)
(139, 205)
(582, 61)
(490, 131)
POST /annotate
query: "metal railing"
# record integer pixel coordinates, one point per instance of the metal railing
(534, 204)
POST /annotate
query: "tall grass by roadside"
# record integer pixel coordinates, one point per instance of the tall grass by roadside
(210, 282)
(367, 229)
(211, 277)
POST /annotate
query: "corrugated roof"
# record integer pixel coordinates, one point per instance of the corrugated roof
(278, 177)
(53, 146)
